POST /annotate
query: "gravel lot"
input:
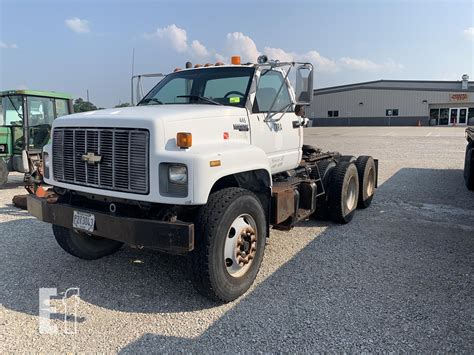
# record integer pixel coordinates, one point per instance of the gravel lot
(398, 278)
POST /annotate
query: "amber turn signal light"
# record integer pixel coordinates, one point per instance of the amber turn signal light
(184, 139)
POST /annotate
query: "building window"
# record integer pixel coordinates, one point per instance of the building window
(336, 113)
(444, 116)
(391, 112)
(329, 113)
(434, 115)
(333, 113)
(470, 115)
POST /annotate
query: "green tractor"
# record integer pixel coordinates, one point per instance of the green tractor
(26, 118)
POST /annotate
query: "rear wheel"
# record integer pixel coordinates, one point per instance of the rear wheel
(367, 176)
(469, 167)
(3, 172)
(230, 242)
(84, 246)
(343, 192)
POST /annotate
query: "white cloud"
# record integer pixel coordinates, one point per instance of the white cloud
(469, 33)
(239, 44)
(173, 35)
(198, 49)
(177, 38)
(8, 45)
(321, 63)
(362, 64)
(77, 25)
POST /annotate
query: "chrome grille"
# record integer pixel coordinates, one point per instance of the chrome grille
(123, 152)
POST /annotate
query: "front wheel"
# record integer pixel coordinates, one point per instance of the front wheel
(469, 167)
(3, 172)
(230, 243)
(83, 245)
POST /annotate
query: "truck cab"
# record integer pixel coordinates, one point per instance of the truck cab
(26, 118)
(206, 163)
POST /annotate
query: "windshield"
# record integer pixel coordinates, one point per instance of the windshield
(40, 120)
(12, 111)
(212, 86)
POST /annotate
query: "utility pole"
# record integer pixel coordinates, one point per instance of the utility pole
(88, 95)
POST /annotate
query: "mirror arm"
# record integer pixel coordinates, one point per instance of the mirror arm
(282, 113)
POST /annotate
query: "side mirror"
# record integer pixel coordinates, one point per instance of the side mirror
(304, 84)
(299, 110)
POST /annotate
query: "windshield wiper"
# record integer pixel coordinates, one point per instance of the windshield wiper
(151, 99)
(203, 98)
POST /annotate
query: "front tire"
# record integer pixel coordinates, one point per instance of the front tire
(84, 246)
(230, 242)
(343, 192)
(469, 167)
(3, 172)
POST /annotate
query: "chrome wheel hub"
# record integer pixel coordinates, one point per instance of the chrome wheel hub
(351, 194)
(240, 245)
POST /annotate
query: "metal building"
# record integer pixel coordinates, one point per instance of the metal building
(395, 103)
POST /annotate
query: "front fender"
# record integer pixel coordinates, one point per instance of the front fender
(234, 158)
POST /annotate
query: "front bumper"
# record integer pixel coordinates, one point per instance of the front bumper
(170, 237)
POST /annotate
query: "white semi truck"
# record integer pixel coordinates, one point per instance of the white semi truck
(206, 163)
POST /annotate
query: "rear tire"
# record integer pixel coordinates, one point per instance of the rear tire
(3, 172)
(343, 192)
(469, 167)
(230, 216)
(367, 176)
(84, 246)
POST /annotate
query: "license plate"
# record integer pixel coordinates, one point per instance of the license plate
(84, 221)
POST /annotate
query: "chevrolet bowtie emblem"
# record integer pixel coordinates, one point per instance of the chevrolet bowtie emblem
(91, 158)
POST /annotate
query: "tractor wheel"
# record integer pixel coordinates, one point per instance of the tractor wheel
(3, 172)
(469, 167)
(84, 246)
(367, 175)
(230, 242)
(343, 192)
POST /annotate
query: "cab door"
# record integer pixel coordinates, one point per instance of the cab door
(280, 135)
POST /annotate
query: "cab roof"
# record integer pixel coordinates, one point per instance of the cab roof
(52, 94)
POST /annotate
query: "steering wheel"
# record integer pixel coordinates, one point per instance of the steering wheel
(234, 92)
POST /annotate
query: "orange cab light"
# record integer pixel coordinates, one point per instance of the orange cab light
(184, 140)
(235, 59)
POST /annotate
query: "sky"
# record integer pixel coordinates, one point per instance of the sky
(76, 46)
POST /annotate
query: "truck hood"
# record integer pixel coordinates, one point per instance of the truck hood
(176, 112)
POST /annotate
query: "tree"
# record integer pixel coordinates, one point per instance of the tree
(124, 104)
(82, 106)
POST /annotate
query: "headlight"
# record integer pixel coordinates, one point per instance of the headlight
(178, 174)
(46, 165)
